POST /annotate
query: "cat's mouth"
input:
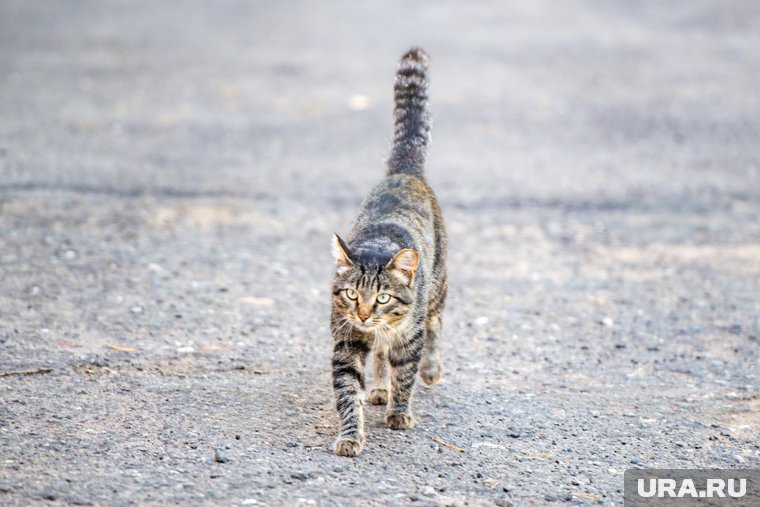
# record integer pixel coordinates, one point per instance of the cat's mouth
(366, 325)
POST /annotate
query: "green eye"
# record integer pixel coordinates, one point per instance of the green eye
(351, 294)
(383, 298)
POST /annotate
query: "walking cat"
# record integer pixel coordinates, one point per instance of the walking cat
(390, 280)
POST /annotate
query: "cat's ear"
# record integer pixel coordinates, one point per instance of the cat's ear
(341, 252)
(405, 263)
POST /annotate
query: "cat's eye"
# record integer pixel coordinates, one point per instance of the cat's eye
(383, 298)
(351, 294)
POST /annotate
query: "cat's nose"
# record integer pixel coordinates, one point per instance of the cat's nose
(364, 311)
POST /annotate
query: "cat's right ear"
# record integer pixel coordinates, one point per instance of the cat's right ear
(341, 252)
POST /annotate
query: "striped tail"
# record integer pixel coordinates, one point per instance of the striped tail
(411, 117)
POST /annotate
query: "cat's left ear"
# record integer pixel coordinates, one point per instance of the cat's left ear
(341, 252)
(405, 263)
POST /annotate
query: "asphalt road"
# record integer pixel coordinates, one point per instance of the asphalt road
(171, 174)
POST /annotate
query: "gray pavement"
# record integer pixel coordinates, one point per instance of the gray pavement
(170, 176)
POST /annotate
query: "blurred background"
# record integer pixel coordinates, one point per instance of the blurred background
(533, 101)
(171, 174)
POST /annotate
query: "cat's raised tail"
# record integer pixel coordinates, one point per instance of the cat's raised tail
(411, 118)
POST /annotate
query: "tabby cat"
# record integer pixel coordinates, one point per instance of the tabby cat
(390, 281)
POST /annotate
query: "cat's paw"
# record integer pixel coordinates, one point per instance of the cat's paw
(378, 396)
(431, 373)
(348, 447)
(399, 421)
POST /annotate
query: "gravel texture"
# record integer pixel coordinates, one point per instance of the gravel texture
(171, 174)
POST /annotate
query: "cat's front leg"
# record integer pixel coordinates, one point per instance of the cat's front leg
(378, 395)
(405, 360)
(349, 356)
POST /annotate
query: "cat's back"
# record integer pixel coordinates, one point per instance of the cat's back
(400, 196)
(400, 212)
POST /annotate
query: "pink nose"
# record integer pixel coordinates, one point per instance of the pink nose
(363, 317)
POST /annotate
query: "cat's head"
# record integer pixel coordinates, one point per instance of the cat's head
(373, 293)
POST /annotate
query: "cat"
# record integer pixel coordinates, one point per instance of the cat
(390, 280)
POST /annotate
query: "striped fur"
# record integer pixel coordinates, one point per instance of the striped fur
(412, 124)
(390, 282)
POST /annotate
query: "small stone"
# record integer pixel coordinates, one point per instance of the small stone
(136, 309)
(185, 350)
(725, 433)
(359, 102)
(155, 267)
(607, 321)
(220, 456)
(428, 491)
(255, 301)
(680, 444)
(481, 321)
(735, 329)
(301, 476)
(635, 461)
(550, 498)
(739, 458)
